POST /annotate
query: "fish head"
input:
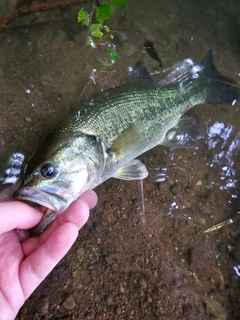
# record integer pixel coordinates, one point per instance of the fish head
(60, 172)
(53, 185)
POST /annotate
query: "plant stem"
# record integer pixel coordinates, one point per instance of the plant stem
(36, 7)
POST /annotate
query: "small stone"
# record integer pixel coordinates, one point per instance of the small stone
(206, 209)
(198, 183)
(68, 281)
(123, 298)
(90, 315)
(98, 227)
(94, 270)
(23, 313)
(137, 201)
(210, 197)
(93, 274)
(129, 49)
(122, 36)
(111, 219)
(122, 290)
(118, 311)
(216, 309)
(142, 283)
(202, 222)
(69, 303)
(44, 309)
(109, 300)
(80, 252)
(161, 43)
(176, 188)
(108, 204)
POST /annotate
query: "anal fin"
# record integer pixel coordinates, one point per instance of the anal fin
(184, 134)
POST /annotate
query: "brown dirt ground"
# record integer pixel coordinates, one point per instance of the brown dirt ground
(127, 264)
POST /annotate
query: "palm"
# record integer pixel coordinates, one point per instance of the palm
(24, 264)
(11, 256)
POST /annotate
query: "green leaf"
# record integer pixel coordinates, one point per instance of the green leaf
(104, 12)
(106, 28)
(96, 30)
(90, 42)
(83, 17)
(119, 3)
(112, 55)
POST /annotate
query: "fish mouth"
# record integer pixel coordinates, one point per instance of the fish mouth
(51, 205)
(46, 199)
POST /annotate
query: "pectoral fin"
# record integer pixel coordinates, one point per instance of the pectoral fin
(126, 141)
(184, 134)
(135, 170)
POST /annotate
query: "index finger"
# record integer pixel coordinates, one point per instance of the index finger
(17, 214)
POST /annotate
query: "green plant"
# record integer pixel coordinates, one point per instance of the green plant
(100, 29)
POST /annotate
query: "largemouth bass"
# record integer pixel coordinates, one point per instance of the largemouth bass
(102, 138)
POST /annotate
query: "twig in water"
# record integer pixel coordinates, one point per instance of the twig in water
(35, 7)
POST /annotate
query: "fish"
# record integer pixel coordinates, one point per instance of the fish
(149, 47)
(102, 138)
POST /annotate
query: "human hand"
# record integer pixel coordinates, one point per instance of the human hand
(25, 261)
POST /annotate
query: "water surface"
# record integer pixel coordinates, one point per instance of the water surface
(123, 266)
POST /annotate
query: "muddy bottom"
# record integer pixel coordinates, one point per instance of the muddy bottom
(135, 259)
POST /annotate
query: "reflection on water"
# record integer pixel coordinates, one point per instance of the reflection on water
(224, 142)
(162, 176)
(219, 161)
(12, 173)
(237, 270)
(174, 206)
(180, 72)
(221, 136)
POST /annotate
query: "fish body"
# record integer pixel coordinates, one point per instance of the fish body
(103, 137)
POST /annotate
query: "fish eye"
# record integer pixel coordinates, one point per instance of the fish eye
(48, 170)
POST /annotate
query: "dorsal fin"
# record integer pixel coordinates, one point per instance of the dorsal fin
(139, 72)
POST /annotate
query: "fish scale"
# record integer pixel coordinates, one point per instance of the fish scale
(121, 112)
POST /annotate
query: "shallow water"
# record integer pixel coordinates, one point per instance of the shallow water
(162, 266)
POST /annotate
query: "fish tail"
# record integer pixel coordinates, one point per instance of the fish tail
(219, 89)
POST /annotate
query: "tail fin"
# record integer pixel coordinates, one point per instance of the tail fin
(220, 89)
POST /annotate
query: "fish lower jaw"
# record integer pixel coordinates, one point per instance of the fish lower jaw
(47, 220)
(50, 205)
(39, 204)
(37, 197)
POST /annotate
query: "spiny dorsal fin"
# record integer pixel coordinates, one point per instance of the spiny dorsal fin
(138, 72)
